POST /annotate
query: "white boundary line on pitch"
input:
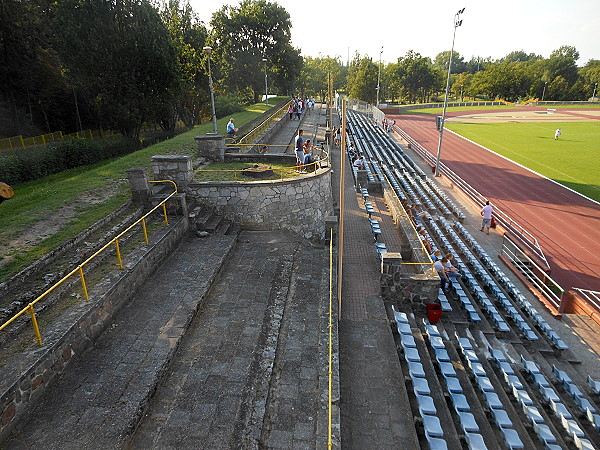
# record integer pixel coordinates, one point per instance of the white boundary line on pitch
(524, 167)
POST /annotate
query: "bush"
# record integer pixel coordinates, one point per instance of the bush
(226, 105)
(31, 164)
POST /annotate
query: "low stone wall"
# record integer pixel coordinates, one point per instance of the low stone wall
(299, 204)
(23, 382)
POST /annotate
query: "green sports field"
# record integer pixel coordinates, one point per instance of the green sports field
(573, 160)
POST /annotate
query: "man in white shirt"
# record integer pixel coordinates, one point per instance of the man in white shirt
(557, 134)
(440, 269)
(486, 213)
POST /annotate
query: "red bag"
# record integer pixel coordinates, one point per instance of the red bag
(493, 223)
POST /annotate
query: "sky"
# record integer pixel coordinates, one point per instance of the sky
(494, 29)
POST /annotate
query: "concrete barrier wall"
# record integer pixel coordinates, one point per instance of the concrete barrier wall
(298, 204)
(73, 333)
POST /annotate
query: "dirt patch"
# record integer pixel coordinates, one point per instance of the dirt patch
(53, 223)
(527, 116)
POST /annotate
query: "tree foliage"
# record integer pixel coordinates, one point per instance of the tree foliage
(361, 82)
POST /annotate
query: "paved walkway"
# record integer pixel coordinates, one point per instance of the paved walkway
(375, 407)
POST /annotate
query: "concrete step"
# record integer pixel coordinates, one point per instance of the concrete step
(213, 223)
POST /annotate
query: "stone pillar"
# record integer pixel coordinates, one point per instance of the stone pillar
(138, 181)
(331, 223)
(177, 168)
(211, 147)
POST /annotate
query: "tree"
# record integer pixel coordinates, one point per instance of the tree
(442, 59)
(245, 34)
(519, 56)
(509, 81)
(361, 82)
(313, 76)
(416, 76)
(121, 52)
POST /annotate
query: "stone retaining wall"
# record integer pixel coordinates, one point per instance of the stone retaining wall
(298, 204)
(23, 382)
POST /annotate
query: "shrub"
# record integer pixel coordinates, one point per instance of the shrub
(226, 105)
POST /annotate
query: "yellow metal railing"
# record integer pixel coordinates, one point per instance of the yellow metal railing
(313, 166)
(526, 102)
(29, 309)
(330, 374)
(251, 138)
(19, 142)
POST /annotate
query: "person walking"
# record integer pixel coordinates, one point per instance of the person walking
(486, 213)
(299, 146)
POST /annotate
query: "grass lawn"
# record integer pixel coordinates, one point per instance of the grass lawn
(35, 201)
(573, 160)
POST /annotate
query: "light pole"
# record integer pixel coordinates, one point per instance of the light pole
(594, 94)
(266, 91)
(207, 50)
(544, 91)
(457, 23)
(379, 75)
(461, 91)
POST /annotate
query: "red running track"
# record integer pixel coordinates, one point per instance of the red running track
(566, 225)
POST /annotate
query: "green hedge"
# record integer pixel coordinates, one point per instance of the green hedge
(31, 164)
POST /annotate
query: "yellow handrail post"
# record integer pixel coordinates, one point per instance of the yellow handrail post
(22, 142)
(165, 214)
(145, 230)
(83, 285)
(118, 253)
(34, 322)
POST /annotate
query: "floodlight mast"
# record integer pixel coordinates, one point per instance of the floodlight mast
(457, 23)
(208, 51)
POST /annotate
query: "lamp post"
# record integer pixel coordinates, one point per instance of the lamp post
(594, 94)
(457, 23)
(461, 92)
(207, 50)
(544, 91)
(266, 91)
(379, 75)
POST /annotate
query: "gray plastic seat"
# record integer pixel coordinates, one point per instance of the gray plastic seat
(512, 439)
(492, 400)
(501, 418)
(467, 422)
(432, 426)
(475, 441)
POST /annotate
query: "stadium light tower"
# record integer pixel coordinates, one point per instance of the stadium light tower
(594, 94)
(266, 88)
(457, 23)
(207, 50)
(379, 76)
(544, 91)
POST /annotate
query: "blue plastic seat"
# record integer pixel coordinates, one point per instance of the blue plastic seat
(560, 410)
(404, 328)
(421, 386)
(533, 414)
(470, 355)
(426, 405)
(447, 369)
(492, 400)
(543, 432)
(400, 316)
(436, 443)
(465, 344)
(431, 330)
(412, 354)
(513, 381)
(436, 342)
(467, 422)
(459, 401)
(484, 384)
(407, 340)
(529, 366)
(583, 444)
(432, 426)
(501, 418)
(475, 441)
(572, 427)
(522, 397)
(415, 370)
(573, 390)
(593, 384)
(477, 369)
(497, 354)
(453, 385)
(550, 394)
(506, 368)
(511, 438)
(584, 404)
(441, 355)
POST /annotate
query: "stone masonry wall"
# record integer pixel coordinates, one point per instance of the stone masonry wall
(78, 329)
(300, 204)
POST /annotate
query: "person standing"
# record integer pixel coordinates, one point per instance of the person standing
(557, 134)
(299, 146)
(486, 213)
